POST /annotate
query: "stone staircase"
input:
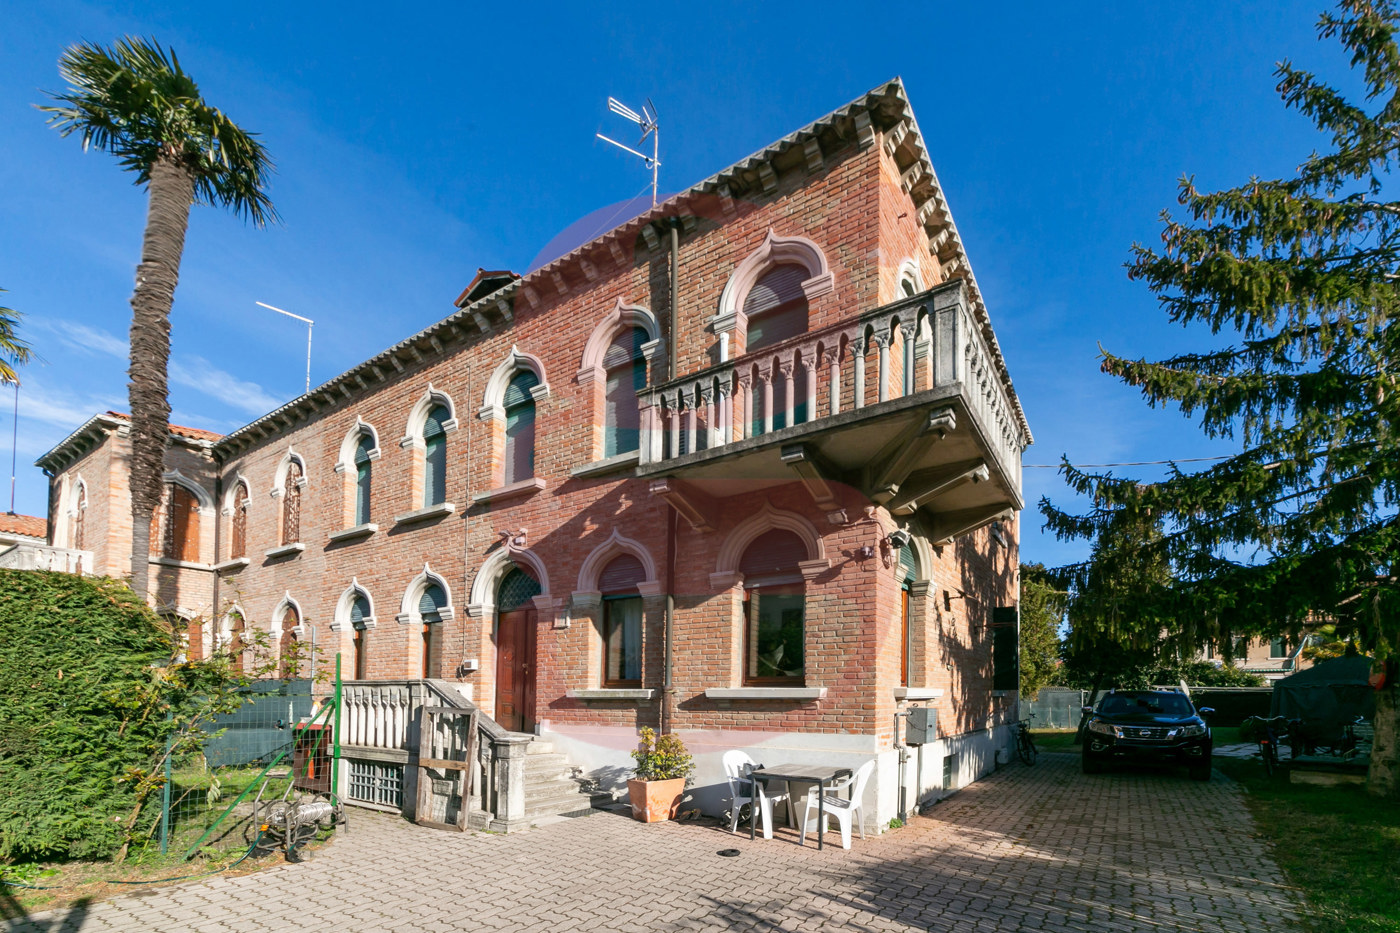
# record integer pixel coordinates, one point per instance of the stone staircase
(552, 787)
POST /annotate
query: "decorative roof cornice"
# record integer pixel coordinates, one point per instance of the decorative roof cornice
(91, 432)
(884, 109)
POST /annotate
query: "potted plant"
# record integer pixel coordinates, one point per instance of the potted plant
(663, 765)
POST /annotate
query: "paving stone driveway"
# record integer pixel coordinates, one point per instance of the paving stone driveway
(1041, 848)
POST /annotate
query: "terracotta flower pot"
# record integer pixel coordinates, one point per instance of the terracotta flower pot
(655, 801)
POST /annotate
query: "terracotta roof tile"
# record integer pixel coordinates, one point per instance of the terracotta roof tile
(29, 525)
(194, 434)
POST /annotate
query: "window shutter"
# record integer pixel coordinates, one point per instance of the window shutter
(359, 611)
(363, 448)
(364, 479)
(431, 602)
(520, 443)
(773, 552)
(433, 423)
(621, 418)
(908, 564)
(621, 575)
(435, 471)
(777, 287)
(1006, 649)
(518, 392)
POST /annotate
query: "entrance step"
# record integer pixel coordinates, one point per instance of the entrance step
(552, 785)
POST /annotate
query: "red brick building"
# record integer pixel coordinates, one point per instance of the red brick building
(746, 467)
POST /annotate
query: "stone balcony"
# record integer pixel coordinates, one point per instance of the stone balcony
(902, 403)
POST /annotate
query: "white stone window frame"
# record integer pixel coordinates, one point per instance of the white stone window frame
(72, 492)
(588, 599)
(224, 637)
(622, 317)
(493, 399)
(300, 630)
(774, 251)
(769, 518)
(493, 570)
(341, 620)
(206, 501)
(418, 416)
(351, 443)
(279, 481)
(408, 609)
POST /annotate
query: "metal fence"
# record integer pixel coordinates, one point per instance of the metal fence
(210, 795)
(1055, 708)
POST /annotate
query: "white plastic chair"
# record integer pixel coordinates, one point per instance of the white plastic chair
(839, 809)
(737, 765)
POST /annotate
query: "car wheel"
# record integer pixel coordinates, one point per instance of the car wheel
(1201, 772)
(1091, 765)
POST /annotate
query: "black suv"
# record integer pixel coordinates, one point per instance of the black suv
(1148, 726)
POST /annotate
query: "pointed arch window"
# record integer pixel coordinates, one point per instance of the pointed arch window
(238, 536)
(364, 478)
(431, 603)
(359, 612)
(774, 608)
(908, 573)
(622, 621)
(519, 404)
(516, 590)
(776, 307)
(80, 517)
(626, 367)
(175, 524)
(288, 649)
(291, 506)
(435, 456)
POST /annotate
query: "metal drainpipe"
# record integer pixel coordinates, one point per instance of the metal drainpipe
(675, 294)
(668, 688)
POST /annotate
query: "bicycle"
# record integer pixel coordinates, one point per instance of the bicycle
(1025, 744)
(1268, 738)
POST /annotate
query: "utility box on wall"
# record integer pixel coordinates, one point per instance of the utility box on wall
(921, 726)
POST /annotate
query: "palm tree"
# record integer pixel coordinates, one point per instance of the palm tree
(135, 102)
(13, 351)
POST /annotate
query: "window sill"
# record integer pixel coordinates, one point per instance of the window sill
(917, 693)
(184, 564)
(234, 563)
(766, 693)
(286, 550)
(611, 693)
(425, 514)
(615, 464)
(355, 531)
(526, 487)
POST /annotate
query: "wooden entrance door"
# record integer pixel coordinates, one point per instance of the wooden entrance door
(515, 671)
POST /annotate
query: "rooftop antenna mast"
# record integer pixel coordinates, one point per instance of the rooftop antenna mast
(646, 121)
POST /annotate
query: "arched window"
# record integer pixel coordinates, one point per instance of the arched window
(519, 404)
(517, 588)
(175, 524)
(291, 506)
(359, 612)
(364, 478)
(435, 456)
(288, 649)
(626, 368)
(431, 603)
(776, 307)
(238, 537)
(774, 608)
(79, 517)
(908, 574)
(622, 621)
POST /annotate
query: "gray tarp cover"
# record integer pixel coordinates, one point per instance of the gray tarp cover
(1335, 690)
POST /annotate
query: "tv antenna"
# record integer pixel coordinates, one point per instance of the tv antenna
(305, 320)
(646, 121)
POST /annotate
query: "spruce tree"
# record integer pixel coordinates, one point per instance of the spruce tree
(1299, 276)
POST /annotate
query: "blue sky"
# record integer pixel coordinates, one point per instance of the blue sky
(414, 144)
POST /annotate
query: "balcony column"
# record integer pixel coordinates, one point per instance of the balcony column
(711, 427)
(789, 390)
(909, 331)
(809, 366)
(767, 381)
(858, 353)
(746, 409)
(833, 368)
(726, 413)
(691, 404)
(647, 445)
(883, 342)
(674, 417)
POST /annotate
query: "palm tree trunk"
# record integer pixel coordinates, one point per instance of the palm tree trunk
(171, 193)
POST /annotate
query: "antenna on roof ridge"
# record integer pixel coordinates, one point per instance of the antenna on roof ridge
(646, 121)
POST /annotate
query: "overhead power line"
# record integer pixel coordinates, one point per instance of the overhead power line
(1096, 466)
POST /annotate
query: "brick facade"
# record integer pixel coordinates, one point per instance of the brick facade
(846, 192)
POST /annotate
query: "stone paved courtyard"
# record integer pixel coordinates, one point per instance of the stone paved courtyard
(1042, 848)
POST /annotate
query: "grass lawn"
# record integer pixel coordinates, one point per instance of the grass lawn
(1338, 845)
(1055, 740)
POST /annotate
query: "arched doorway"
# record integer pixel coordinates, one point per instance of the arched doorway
(515, 650)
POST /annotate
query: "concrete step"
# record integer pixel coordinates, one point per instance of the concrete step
(553, 806)
(540, 747)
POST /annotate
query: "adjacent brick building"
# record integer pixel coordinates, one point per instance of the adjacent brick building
(746, 467)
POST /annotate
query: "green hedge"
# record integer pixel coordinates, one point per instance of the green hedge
(78, 668)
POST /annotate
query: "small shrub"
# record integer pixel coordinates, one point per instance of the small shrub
(662, 759)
